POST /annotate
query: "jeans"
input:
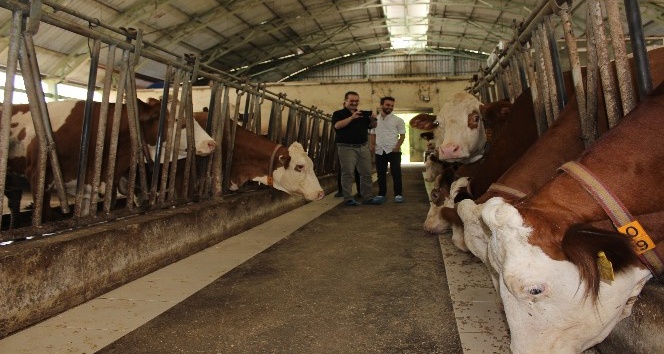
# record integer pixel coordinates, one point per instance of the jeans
(357, 178)
(351, 158)
(394, 159)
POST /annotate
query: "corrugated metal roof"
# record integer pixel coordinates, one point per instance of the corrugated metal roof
(269, 40)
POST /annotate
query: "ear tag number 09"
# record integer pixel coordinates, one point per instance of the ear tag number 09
(640, 239)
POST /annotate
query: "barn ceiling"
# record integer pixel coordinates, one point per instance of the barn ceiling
(270, 40)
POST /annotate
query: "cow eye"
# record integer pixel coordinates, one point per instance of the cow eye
(436, 123)
(299, 168)
(435, 192)
(535, 289)
(476, 118)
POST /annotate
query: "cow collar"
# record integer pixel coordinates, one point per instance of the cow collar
(475, 158)
(622, 219)
(497, 187)
(270, 180)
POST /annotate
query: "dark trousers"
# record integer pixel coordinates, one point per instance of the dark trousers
(394, 159)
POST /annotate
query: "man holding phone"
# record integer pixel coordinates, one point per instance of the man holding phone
(352, 126)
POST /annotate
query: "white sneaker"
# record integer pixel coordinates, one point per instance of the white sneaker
(399, 199)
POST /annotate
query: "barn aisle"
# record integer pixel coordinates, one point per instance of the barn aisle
(325, 278)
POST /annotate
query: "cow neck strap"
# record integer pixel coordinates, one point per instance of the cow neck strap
(270, 180)
(497, 187)
(475, 158)
(615, 209)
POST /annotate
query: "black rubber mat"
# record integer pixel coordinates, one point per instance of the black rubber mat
(363, 279)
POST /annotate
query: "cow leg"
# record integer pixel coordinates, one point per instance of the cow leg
(14, 202)
(14, 193)
(457, 237)
(87, 193)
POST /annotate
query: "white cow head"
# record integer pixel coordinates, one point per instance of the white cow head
(297, 175)
(460, 134)
(203, 143)
(432, 168)
(546, 301)
(475, 232)
(435, 223)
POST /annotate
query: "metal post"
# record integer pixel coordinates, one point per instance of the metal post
(635, 26)
(81, 207)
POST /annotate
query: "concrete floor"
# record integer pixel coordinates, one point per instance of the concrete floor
(325, 278)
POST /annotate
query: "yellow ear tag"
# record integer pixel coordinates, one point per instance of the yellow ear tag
(605, 268)
(640, 239)
(270, 181)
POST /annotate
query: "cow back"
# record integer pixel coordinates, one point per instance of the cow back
(520, 132)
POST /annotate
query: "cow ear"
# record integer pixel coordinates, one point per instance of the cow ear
(295, 147)
(285, 160)
(423, 121)
(484, 109)
(148, 111)
(582, 243)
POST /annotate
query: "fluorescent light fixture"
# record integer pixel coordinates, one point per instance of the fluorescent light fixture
(408, 22)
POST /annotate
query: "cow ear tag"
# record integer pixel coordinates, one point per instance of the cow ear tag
(605, 268)
(640, 239)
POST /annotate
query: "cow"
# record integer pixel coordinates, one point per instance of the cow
(506, 149)
(432, 168)
(288, 169)
(546, 265)
(460, 126)
(253, 156)
(442, 200)
(430, 144)
(560, 143)
(66, 120)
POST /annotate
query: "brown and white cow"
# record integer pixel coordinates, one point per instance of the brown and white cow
(505, 150)
(459, 128)
(258, 159)
(254, 155)
(66, 120)
(560, 143)
(432, 168)
(442, 200)
(554, 305)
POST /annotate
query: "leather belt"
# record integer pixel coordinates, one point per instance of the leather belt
(351, 145)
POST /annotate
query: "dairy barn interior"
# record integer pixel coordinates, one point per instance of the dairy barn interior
(147, 168)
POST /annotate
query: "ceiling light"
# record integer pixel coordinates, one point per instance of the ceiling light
(408, 22)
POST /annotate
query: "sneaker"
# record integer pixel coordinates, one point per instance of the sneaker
(399, 199)
(379, 199)
(338, 195)
(351, 202)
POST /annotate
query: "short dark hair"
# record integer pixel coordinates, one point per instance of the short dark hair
(351, 93)
(386, 98)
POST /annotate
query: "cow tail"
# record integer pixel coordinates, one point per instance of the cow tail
(582, 243)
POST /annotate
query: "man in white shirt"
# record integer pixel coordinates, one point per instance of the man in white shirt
(385, 141)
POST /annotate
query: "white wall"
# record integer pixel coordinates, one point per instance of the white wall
(409, 95)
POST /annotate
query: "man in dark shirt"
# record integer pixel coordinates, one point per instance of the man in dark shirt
(351, 128)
